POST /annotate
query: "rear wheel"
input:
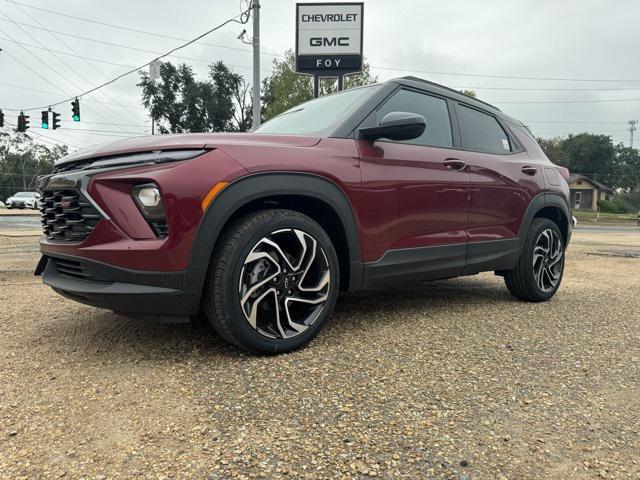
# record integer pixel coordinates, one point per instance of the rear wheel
(539, 272)
(274, 281)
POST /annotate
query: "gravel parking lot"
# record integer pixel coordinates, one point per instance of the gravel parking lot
(451, 379)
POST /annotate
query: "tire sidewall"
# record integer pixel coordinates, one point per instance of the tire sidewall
(540, 225)
(250, 338)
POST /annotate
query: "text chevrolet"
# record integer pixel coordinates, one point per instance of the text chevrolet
(394, 182)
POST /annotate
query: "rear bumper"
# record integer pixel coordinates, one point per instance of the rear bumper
(160, 294)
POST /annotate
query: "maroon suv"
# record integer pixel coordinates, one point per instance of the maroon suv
(394, 182)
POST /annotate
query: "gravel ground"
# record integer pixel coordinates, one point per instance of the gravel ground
(451, 379)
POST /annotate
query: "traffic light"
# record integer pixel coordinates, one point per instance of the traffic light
(56, 120)
(75, 108)
(44, 123)
(1, 118)
(23, 122)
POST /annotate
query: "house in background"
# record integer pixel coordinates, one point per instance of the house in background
(586, 192)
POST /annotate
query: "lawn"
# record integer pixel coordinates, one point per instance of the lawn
(585, 216)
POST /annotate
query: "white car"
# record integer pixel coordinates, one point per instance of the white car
(24, 200)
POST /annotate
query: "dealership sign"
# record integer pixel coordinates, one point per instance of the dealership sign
(329, 38)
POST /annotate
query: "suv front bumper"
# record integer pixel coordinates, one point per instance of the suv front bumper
(121, 290)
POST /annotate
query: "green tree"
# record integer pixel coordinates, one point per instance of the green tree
(22, 160)
(179, 102)
(590, 154)
(554, 150)
(627, 170)
(469, 93)
(285, 88)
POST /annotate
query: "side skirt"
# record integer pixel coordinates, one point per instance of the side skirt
(423, 263)
(491, 255)
(443, 261)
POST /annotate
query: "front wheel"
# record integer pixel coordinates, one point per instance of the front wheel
(273, 282)
(539, 272)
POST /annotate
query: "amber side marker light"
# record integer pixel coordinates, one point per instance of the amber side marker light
(217, 188)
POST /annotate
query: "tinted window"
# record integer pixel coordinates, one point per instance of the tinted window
(434, 110)
(482, 132)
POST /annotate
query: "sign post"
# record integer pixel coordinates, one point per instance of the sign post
(329, 40)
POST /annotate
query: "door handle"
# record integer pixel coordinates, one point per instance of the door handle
(454, 164)
(529, 170)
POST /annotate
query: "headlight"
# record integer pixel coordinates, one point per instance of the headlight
(149, 201)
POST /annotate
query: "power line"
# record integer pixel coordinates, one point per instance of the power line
(64, 63)
(104, 42)
(398, 69)
(566, 101)
(529, 89)
(54, 93)
(578, 123)
(68, 47)
(107, 62)
(45, 138)
(144, 32)
(555, 79)
(118, 77)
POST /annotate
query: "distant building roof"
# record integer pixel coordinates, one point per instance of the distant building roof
(574, 177)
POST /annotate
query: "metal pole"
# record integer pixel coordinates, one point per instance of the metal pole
(340, 82)
(316, 86)
(632, 128)
(256, 63)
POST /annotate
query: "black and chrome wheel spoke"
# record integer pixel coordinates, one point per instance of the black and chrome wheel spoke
(284, 283)
(547, 260)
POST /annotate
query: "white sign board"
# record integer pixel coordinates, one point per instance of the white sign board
(329, 37)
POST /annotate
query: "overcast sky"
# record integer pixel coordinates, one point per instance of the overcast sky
(585, 39)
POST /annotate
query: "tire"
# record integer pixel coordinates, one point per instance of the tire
(539, 271)
(255, 299)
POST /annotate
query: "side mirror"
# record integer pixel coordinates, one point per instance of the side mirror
(396, 126)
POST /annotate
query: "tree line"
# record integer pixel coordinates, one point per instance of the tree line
(22, 160)
(597, 157)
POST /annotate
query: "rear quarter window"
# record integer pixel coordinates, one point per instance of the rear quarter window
(482, 132)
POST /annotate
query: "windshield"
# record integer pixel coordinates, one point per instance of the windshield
(317, 116)
(25, 194)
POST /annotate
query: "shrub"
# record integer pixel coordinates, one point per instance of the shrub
(616, 204)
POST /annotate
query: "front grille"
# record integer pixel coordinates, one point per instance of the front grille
(67, 215)
(69, 167)
(71, 268)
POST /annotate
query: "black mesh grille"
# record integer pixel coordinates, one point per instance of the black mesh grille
(160, 227)
(67, 215)
(72, 268)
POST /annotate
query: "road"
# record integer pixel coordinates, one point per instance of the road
(19, 222)
(608, 229)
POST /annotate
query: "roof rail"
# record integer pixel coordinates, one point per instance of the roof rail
(422, 80)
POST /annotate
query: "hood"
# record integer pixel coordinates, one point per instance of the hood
(185, 141)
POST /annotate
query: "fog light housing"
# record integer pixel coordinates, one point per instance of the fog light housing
(149, 200)
(149, 197)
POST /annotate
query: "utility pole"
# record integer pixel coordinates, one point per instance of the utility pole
(632, 128)
(256, 63)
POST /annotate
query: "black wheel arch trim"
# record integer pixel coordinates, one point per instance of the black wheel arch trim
(540, 201)
(255, 186)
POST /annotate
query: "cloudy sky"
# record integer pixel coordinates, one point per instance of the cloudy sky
(561, 66)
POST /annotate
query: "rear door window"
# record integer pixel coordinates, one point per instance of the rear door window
(482, 132)
(433, 109)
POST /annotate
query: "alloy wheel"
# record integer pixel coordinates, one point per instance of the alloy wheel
(284, 283)
(547, 260)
